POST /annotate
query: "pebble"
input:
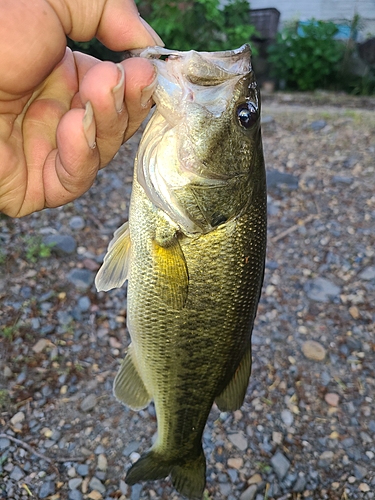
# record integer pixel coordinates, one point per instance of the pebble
(77, 222)
(17, 418)
(75, 483)
(249, 493)
(75, 495)
(96, 484)
(321, 290)
(62, 244)
(84, 303)
(47, 489)
(360, 472)
(235, 463)
(313, 350)
(17, 473)
(255, 479)
(102, 462)
(276, 178)
(239, 440)
(4, 443)
(332, 398)
(83, 470)
(287, 418)
(318, 125)
(81, 278)
(88, 403)
(368, 274)
(364, 487)
(280, 465)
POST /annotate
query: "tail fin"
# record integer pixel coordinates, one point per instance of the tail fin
(189, 478)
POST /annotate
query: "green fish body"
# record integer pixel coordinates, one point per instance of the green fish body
(193, 252)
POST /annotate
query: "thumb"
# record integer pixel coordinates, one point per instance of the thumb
(116, 23)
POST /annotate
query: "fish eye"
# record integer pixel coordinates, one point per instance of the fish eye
(247, 114)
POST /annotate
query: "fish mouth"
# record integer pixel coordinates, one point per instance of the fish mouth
(234, 62)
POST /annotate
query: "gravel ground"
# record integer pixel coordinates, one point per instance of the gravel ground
(307, 427)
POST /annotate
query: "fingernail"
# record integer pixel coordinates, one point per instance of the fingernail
(158, 41)
(89, 127)
(147, 93)
(118, 90)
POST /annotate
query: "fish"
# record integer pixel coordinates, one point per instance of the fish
(193, 252)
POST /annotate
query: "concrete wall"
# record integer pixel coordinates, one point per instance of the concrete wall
(326, 10)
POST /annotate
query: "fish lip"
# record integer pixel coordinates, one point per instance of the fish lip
(154, 52)
(235, 62)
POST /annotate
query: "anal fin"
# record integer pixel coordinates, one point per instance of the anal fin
(128, 386)
(231, 398)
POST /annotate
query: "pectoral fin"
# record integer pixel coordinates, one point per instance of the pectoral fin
(231, 398)
(171, 270)
(114, 270)
(128, 386)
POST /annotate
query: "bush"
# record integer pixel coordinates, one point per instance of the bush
(307, 56)
(199, 25)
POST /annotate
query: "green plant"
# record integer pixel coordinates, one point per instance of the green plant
(200, 24)
(307, 56)
(36, 249)
(8, 332)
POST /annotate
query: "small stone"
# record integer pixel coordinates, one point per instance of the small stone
(84, 303)
(83, 470)
(287, 417)
(321, 290)
(360, 472)
(351, 480)
(280, 465)
(17, 418)
(368, 274)
(47, 489)
(364, 487)
(41, 345)
(7, 372)
(102, 462)
(97, 485)
(75, 483)
(235, 463)
(313, 350)
(17, 474)
(61, 244)
(354, 312)
(77, 222)
(325, 458)
(4, 443)
(81, 278)
(332, 398)
(276, 178)
(239, 440)
(255, 479)
(249, 493)
(75, 495)
(72, 472)
(277, 437)
(88, 403)
(318, 125)
(95, 495)
(300, 484)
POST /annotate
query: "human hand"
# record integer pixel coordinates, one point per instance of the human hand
(64, 115)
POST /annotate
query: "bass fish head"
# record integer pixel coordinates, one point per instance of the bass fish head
(201, 154)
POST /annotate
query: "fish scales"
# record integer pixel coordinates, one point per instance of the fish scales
(194, 252)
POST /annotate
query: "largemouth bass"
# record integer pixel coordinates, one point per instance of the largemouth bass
(193, 252)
